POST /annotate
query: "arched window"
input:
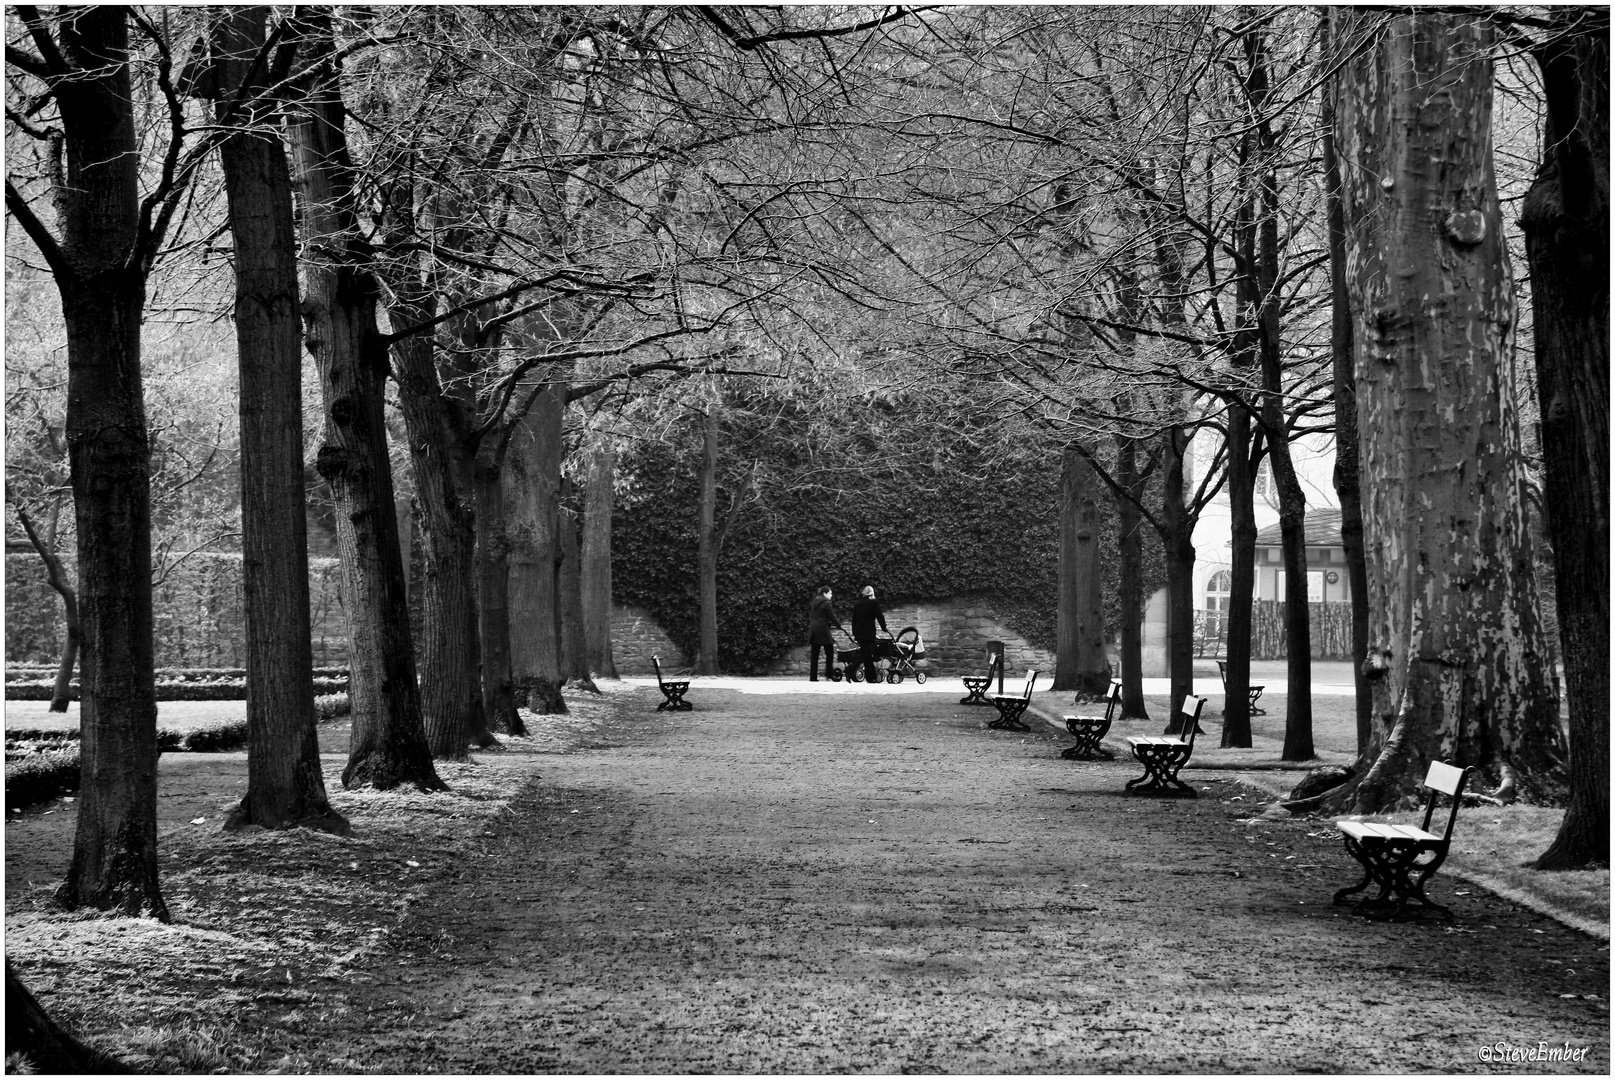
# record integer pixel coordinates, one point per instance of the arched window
(1217, 589)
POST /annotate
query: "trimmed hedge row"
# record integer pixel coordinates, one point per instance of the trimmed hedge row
(215, 690)
(41, 764)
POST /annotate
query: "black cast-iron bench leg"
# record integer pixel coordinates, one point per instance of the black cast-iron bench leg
(1390, 865)
(1161, 765)
(1088, 736)
(674, 693)
(977, 686)
(1009, 716)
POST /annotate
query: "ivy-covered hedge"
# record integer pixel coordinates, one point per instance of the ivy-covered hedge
(922, 518)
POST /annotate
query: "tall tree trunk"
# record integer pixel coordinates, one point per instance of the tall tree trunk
(569, 575)
(531, 485)
(1178, 537)
(450, 648)
(1236, 715)
(1242, 465)
(1566, 223)
(56, 577)
(596, 566)
(1346, 476)
(285, 784)
(493, 591)
(102, 280)
(707, 545)
(339, 325)
(1080, 663)
(1130, 570)
(1456, 647)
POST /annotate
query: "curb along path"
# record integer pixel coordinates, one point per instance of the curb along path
(856, 882)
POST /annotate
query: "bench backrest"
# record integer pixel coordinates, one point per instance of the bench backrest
(1189, 713)
(1113, 699)
(1444, 779)
(656, 662)
(1031, 680)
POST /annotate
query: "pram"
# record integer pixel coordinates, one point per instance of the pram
(898, 655)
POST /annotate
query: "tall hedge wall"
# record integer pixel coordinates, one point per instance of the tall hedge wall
(922, 520)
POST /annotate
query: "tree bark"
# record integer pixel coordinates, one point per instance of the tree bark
(531, 485)
(1348, 487)
(493, 591)
(1566, 222)
(706, 661)
(339, 325)
(1457, 654)
(100, 266)
(1080, 663)
(450, 648)
(56, 577)
(1236, 716)
(1178, 537)
(569, 577)
(1130, 557)
(596, 566)
(285, 784)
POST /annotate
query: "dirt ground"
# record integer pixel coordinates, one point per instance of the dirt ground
(848, 881)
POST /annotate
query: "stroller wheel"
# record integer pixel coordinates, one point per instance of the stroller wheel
(894, 677)
(919, 677)
(835, 675)
(855, 674)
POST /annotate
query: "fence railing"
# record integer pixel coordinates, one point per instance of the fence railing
(1331, 631)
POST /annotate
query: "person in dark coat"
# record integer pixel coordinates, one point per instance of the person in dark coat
(821, 616)
(866, 614)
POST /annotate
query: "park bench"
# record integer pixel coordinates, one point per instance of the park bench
(1390, 854)
(673, 692)
(977, 685)
(1011, 708)
(1089, 730)
(1163, 755)
(1255, 691)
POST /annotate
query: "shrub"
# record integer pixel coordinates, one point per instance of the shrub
(42, 775)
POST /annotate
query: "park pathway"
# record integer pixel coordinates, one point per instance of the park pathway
(859, 881)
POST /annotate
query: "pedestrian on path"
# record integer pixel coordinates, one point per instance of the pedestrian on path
(866, 614)
(821, 617)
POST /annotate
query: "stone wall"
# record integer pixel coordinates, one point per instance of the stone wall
(635, 638)
(955, 636)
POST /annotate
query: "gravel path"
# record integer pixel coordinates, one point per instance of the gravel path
(862, 881)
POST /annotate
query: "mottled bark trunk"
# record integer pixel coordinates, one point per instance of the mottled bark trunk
(388, 746)
(1080, 661)
(1348, 487)
(706, 662)
(1456, 649)
(1566, 223)
(103, 293)
(531, 485)
(596, 566)
(1130, 558)
(285, 783)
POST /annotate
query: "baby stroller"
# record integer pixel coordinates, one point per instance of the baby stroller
(897, 655)
(904, 653)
